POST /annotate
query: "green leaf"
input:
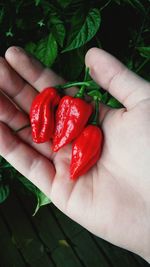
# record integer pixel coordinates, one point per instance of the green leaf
(114, 103)
(1, 15)
(136, 4)
(117, 1)
(31, 48)
(1, 158)
(30, 186)
(74, 62)
(64, 3)
(95, 94)
(54, 22)
(41, 200)
(105, 97)
(144, 51)
(37, 2)
(4, 192)
(58, 29)
(6, 165)
(40, 196)
(87, 30)
(45, 50)
(93, 85)
(48, 8)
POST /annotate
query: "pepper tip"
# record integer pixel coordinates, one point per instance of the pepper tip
(55, 148)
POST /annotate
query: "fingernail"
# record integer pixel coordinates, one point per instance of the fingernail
(18, 49)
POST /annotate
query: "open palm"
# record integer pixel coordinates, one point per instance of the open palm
(111, 199)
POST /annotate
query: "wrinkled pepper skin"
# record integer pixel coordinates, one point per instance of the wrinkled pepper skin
(86, 151)
(71, 117)
(42, 115)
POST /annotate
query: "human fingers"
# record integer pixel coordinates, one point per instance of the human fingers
(15, 87)
(32, 74)
(31, 69)
(36, 75)
(14, 118)
(38, 169)
(113, 76)
(10, 114)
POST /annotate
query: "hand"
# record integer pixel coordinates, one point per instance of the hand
(112, 200)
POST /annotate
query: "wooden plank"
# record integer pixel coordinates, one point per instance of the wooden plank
(83, 244)
(44, 222)
(63, 257)
(118, 256)
(9, 255)
(141, 262)
(88, 251)
(73, 228)
(52, 236)
(115, 256)
(24, 235)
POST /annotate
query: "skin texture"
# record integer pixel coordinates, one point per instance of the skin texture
(112, 200)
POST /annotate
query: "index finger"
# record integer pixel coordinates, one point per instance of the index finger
(31, 69)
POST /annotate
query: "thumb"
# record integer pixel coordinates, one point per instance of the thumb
(113, 76)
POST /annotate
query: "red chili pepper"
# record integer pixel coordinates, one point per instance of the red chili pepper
(86, 151)
(71, 117)
(42, 115)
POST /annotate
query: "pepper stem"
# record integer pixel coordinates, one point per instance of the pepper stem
(68, 85)
(95, 120)
(80, 93)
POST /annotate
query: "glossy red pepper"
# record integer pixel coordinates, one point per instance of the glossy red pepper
(86, 151)
(42, 115)
(71, 117)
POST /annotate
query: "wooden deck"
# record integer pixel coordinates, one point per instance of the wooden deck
(51, 239)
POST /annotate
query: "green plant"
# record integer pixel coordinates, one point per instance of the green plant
(59, 32)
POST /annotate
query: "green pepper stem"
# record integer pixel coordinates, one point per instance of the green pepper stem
(68, 85)
(80, 93)
(95, 120)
